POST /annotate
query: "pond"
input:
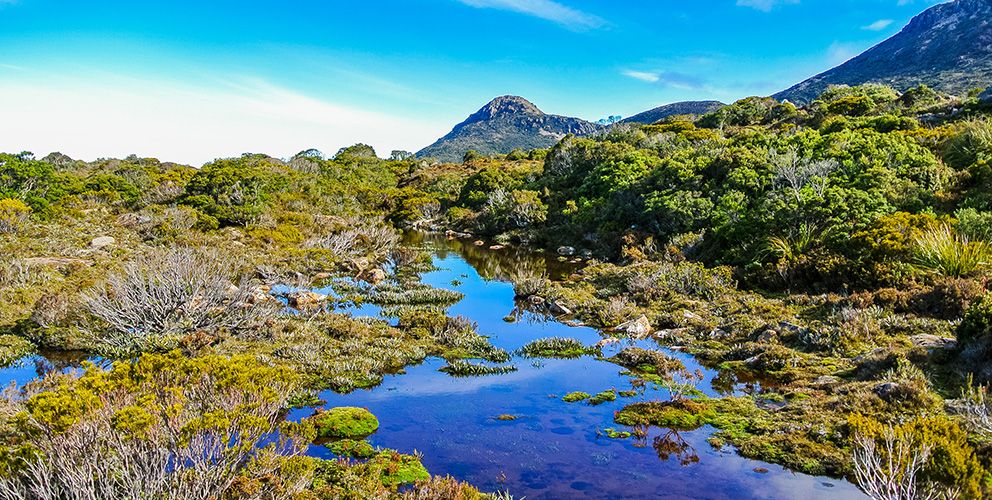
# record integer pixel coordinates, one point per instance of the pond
(552, 449)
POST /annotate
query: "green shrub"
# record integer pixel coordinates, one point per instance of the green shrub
(13, 215)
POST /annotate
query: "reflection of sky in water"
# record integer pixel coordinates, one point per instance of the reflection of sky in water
(553, 449)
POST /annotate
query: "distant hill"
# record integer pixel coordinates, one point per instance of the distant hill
(948, 47)
(505, 124)
(675, 109)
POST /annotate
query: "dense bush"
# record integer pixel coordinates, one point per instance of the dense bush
(163, 426)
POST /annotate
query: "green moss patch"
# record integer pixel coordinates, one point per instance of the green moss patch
(603, 397)
(351, 448)
(680, 415)
(395, 469)
(575, 397)
(345, 422)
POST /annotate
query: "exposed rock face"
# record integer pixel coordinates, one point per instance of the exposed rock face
(986, 97)
(948, 47)
(505, 124)
(675, 109)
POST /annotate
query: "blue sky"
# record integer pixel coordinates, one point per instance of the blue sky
(194, 80)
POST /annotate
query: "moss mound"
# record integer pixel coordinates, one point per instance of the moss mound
(395, 468)
(603, 397)
(575, 397)
(351, 448)
(345, 422)
(680, 415)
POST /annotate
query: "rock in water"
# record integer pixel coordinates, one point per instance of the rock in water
(639, 327)
(986, 97)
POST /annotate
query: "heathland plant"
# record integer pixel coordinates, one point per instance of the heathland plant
(162, 426)
(944, 251)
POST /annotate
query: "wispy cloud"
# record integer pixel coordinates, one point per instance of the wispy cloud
(543, 9)
(672, 79)
(644, 76)
(764, 5)
(879, 25)
(840, 52)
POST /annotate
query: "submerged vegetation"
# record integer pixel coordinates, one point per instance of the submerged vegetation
(833, 258)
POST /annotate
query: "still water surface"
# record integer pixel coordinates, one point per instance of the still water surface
(554, 449)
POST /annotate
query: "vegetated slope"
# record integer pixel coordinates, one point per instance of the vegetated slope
(948, 47)
(674, 109)
(505, 124)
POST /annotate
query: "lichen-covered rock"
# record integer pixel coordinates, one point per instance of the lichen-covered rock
(102, 242)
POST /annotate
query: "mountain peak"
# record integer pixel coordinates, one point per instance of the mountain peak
(506, 105)
(506, 123)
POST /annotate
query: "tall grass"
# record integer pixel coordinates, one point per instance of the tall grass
(944, 251)
(972, 143)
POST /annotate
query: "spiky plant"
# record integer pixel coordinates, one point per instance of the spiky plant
(944, 251)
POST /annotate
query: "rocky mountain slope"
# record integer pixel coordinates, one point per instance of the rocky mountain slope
(505, 124)
(948, 47)
(674, 109)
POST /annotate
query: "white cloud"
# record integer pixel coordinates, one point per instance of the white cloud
(764, 5)
(644, 76)
(839, 52)
(113, 117)
(879, 25)
(544, 9)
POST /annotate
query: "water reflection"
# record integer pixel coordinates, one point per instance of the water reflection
(553, 449)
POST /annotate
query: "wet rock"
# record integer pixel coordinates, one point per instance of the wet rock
(374, 276)
(608, 341)
(640, 327)
(986, 97)
(557, 308)
(305, 299)
(102, 242)
(566, 251)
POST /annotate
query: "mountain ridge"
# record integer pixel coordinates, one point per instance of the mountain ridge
(947, 47)
(674, 109)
